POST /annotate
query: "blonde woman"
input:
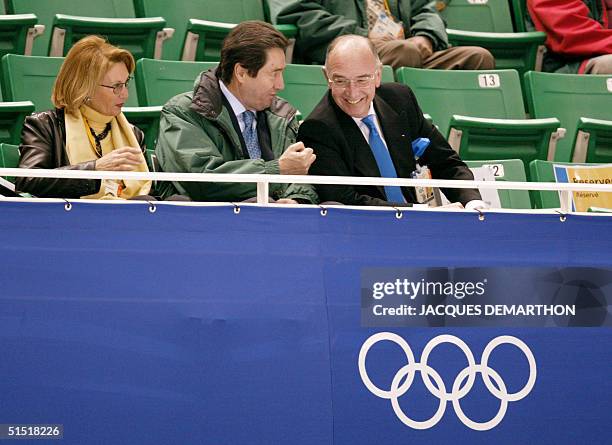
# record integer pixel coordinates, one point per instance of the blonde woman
(86, 130)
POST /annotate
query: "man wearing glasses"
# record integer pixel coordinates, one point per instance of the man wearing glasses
(363, 128)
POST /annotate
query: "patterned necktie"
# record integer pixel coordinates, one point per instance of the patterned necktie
(250, 135)
(383, 160)
(373, 9)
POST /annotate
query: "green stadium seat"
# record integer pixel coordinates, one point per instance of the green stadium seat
(489, 24)
(569, 98)
(512, 170)
(142, 37)
(12, 115)
(9, 155)
(593, 142)
(159, 80)
(482, 113)
(17, 33)
(204, 24)
(226, 12)
(32, 78)
(542, 171)
(147, 119)
(9, 158)
(204, 39)
(519, 14)
(114, 19)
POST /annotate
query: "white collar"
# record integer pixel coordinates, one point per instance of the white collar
(358, 120)
(236, 105)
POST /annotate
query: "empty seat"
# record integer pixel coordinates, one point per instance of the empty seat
(570, 97)
(30, 78)
(512, 170)
(489, 24)
(112, 19)
(9, 158)
(159, 80)
(482, 112)
(12, 115)
(9, 155)
(200, 38)
(17, 33)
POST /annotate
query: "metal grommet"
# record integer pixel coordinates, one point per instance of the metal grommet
(152, 208)
(67, 206)
(323, 211)
(236, 209)
(398, 214)
(481, 216)
(562, 216)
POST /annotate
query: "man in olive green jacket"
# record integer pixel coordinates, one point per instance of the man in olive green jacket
(404, 32)
(233, 122)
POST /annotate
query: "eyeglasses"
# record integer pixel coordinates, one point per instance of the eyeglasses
(359, 82)
(118, 86)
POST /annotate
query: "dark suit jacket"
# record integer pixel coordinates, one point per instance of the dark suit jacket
(342, 150)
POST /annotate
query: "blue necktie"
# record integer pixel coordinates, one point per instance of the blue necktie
(383, 159)
(250, 135)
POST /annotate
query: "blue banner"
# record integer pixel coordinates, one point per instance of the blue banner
(492, 296)
(199, 325)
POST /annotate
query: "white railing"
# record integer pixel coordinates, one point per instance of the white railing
(263, 181)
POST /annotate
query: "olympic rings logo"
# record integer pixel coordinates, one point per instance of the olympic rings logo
(459, 389)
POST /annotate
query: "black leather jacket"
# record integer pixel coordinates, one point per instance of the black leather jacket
(43, 145)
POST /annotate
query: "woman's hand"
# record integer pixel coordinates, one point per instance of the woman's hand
(121, 159)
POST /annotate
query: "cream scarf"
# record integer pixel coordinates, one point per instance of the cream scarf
(80, 149)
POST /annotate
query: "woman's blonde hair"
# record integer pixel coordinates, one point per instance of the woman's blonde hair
(83, 69)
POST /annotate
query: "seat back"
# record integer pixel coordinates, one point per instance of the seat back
(159, 80)
(12, 115)
(543, 171)
(32, 78)
(569, 97)
(441, 93)
(519, 15)
(14, 33)
(9, 158)
(9, 155)
(487, 16)
(142, 37)
(177, 16)
(511, 170)
(45, 10)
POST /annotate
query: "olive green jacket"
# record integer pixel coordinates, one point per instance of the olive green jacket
(320, 21)
(196, 135)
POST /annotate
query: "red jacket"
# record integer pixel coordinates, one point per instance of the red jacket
(574, 28)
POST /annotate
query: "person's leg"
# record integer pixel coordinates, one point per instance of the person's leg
(599, 65)
(461, 58)
(398, 53)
